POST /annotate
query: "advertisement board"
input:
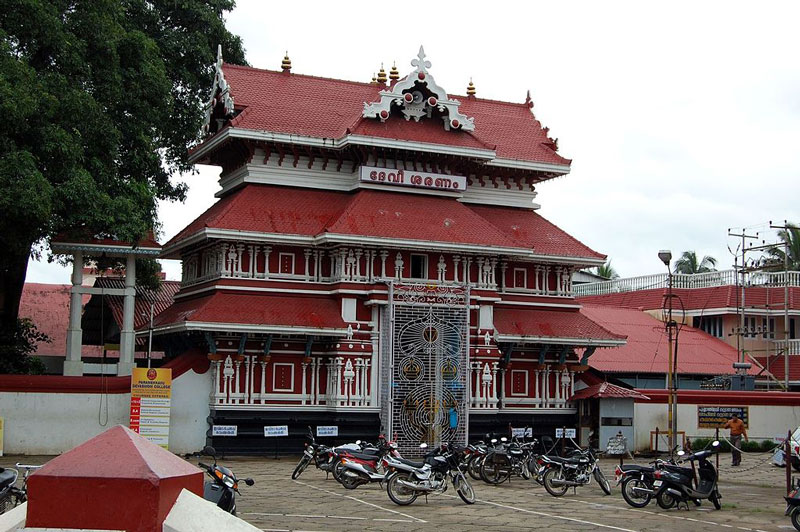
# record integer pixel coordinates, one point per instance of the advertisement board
(715, 416)
(151, 394)
(327, 430)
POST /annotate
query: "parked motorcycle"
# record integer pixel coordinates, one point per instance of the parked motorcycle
(10, 494)
(690, 484)
(573, 471)
(363, 468)
(224, 486)
(636, 481)
(322, 456)
(407, 479)
(477, 454)
(506, 459)
(793, 505)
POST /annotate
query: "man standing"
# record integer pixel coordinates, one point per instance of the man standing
(737, 431)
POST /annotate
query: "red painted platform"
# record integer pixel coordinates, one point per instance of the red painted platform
(115, 481)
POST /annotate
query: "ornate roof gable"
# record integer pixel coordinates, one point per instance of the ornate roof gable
(220, 95)
(418, 95)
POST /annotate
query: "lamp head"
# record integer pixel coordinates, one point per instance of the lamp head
(666, 256)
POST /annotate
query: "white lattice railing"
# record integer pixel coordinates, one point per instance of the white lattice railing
(793, 346)
(679, 280)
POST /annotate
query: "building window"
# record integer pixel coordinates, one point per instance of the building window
(711, 324)
(419, 266)
(792, 333)
(519, 382)
(286, 263)
(768, 328)
(282, 377)
(520, 278)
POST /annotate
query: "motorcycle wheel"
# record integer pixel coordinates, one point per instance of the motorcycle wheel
(7, 502)
(474, 467)
(796, 519)
(632, 497)
(349, 482)
(551, 474)
(665, 500)
(400, 495)
(337, 472)
(301, 466)
(526, 473)
(464, 489)
(601, 479)
(492, 473)
(715, 500)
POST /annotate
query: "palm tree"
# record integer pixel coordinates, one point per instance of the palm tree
(790, 236)
(607, 271)
(688, 263)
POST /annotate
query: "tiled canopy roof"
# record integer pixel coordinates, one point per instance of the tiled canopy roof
(327, 108)
(553, 325)
(273, 209)
(646, 348)
(258, 310)
(606, 390)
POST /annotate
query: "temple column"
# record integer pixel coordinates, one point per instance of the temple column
(73, 365)
(127, 336)
(267, 250)
(307, 256)
(456, 260)
(303, 384)
(536, 395)
(503, 269)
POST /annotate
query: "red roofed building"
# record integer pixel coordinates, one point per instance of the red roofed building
(375, 262)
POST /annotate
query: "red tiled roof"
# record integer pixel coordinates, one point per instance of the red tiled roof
(554, 324)
(415, 217)
(530, 230)
(606, 390)
(331, 108)
(646, 348)
(775, 364)
(47, 305)
(726, 296)
(382, 214)
(255, 309)
(147, 242)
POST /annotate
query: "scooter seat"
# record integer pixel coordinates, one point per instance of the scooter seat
(364, 456)
(411, 463)
(630, 468)
(6, 477)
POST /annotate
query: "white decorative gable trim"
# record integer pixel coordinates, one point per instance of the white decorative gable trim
(220, 86)
(414, 103)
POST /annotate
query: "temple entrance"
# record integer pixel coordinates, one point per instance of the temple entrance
(424, 363)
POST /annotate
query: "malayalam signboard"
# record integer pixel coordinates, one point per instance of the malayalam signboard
(276, 430)
(327, 430)
(566, 433)
(715, 416)
(225, 430)
(412, 178)
(151, 392)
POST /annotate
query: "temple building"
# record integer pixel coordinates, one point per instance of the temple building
(375, 262)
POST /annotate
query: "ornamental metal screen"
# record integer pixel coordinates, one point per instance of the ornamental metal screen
(424, 365)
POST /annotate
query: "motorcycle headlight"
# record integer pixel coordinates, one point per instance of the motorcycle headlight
(228, 481)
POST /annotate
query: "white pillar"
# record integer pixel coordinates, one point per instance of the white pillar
(307, 255)
(73, 365)
(127, 337)
(303, 389)
(384, 254)
(536, 395)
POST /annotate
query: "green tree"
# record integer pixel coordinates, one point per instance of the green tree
(99, 101)
(607, 271)
(688, 263)
(790, 236)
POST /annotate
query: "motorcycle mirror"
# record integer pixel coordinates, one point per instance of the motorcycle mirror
(681, 453)
(715, 443)
(249, 481)
(423, 445)
(494, 440)
(358, 442)
(209, 451)
(503, 439)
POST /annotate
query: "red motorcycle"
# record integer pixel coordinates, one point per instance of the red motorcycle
(367, 466)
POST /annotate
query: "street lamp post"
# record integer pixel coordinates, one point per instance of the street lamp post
(672, 404)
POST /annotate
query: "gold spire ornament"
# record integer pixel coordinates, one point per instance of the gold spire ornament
(382, 75)
(286, 64)
(471, 88)
(394, 74)
(374, 79)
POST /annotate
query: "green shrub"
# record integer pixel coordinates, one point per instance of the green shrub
(698, 444)
(768, 445)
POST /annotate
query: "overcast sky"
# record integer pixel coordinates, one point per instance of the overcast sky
(682, 118)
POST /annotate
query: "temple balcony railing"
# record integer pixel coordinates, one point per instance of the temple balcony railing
(680, 280)
(790, 346)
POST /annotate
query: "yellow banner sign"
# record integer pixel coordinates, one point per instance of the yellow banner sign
(151, 391)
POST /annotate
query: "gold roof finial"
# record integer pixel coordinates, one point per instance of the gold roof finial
(382, 75)
(394, 74)
(374, 79)
(286, 64)
(471, 88)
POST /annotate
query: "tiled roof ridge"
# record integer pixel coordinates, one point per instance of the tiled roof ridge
(226, 66)
(617, 335)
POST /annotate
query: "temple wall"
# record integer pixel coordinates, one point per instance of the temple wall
(52, 422)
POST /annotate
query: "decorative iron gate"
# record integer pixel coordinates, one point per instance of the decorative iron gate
(424, 365)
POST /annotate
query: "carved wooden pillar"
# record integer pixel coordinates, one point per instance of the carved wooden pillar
(384, 255)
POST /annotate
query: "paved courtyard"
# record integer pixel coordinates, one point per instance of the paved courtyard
(752, 501)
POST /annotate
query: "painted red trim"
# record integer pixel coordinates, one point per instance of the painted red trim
(720, 397)
(111, 385)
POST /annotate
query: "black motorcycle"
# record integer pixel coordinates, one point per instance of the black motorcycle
(322, 456)
(224, 486)
(690, 484)
(793, 505)
(570, 472)
(636, 481)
